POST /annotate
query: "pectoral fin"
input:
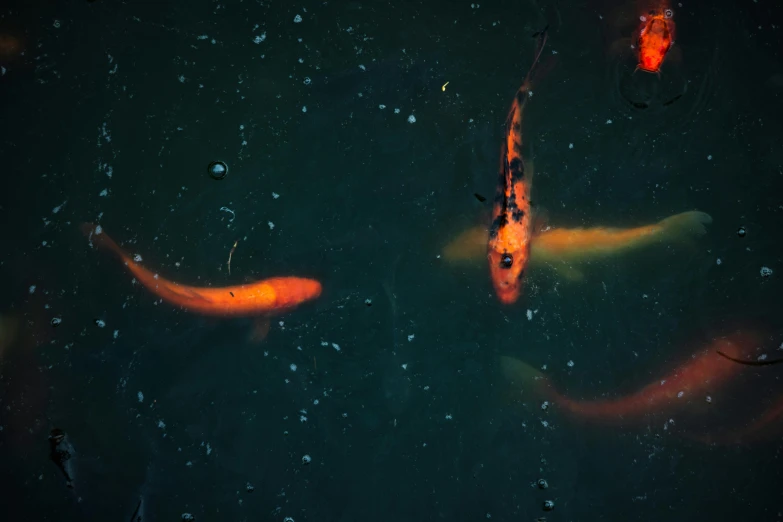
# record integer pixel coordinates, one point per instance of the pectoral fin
(470, 245)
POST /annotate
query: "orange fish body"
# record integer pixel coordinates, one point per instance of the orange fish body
(705, 372)
(656, 36)
(508, 247)
(268, 296)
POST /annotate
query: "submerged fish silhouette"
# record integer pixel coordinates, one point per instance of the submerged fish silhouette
(62, 454)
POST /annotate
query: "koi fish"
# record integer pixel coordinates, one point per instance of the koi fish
(508, 247)
(656, 36)
(62, 454)
(267, 296)
(705, 371)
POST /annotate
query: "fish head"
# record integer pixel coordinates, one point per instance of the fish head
(656, 37)
(507, 268)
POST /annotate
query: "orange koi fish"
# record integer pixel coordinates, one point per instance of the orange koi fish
(508, 248)
(704, 372)
(277, 294)
(656, 36)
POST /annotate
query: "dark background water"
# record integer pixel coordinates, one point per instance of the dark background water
(184, 412)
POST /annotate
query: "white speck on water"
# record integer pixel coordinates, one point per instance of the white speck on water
(100, 323)
(709, 398)
(297, 19)
(302, 418)
(161, 424)
(56, 24)
(545, 423)
(718, 261)
(411, 337)
(766, 271)
(275, 195)
(140, 396)
(529, 314)
(644, 296)
(137, 258)
(103, 193)
(209, 449)
(56, 321)
(306, 459)
(260, 38)
(448, 416)
(608, 122)
(293, 367)
(709, 157)
(570, 145)
(316, 402)
(405, 366)
(98, 230)
(680, 394)
(307, 80)
(570, 364)
(181, 78)
(381, 106)
(115, 333)
(411, 119)
(762, 357)
(304, 108)
(190, 465)
(362, 67)
(202, 37)
(336, 346)
(545, 405)
(271, 225)
(396, 111)
(59, 207)
(2, 71)
(345, 415)
(31, 289)
(368, 301)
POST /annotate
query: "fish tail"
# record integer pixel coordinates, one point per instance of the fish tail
(101, 239)
(541, 37)
(686, 225)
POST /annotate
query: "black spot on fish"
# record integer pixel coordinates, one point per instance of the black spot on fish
(517, 169)
(232, 294)
(517, 214)
(479, 197)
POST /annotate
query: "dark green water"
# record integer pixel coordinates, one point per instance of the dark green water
(111, 112)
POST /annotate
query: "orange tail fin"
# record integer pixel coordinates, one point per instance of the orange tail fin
(101, 239)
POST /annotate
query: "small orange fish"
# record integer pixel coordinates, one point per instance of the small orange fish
(656, 36)
(508, 248)
(267, 296)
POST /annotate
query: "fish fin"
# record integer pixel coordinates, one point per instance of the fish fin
(470, 245)
(568, 272)
(522, 378)
(101, 239)
(581, 244)
(260, 329)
